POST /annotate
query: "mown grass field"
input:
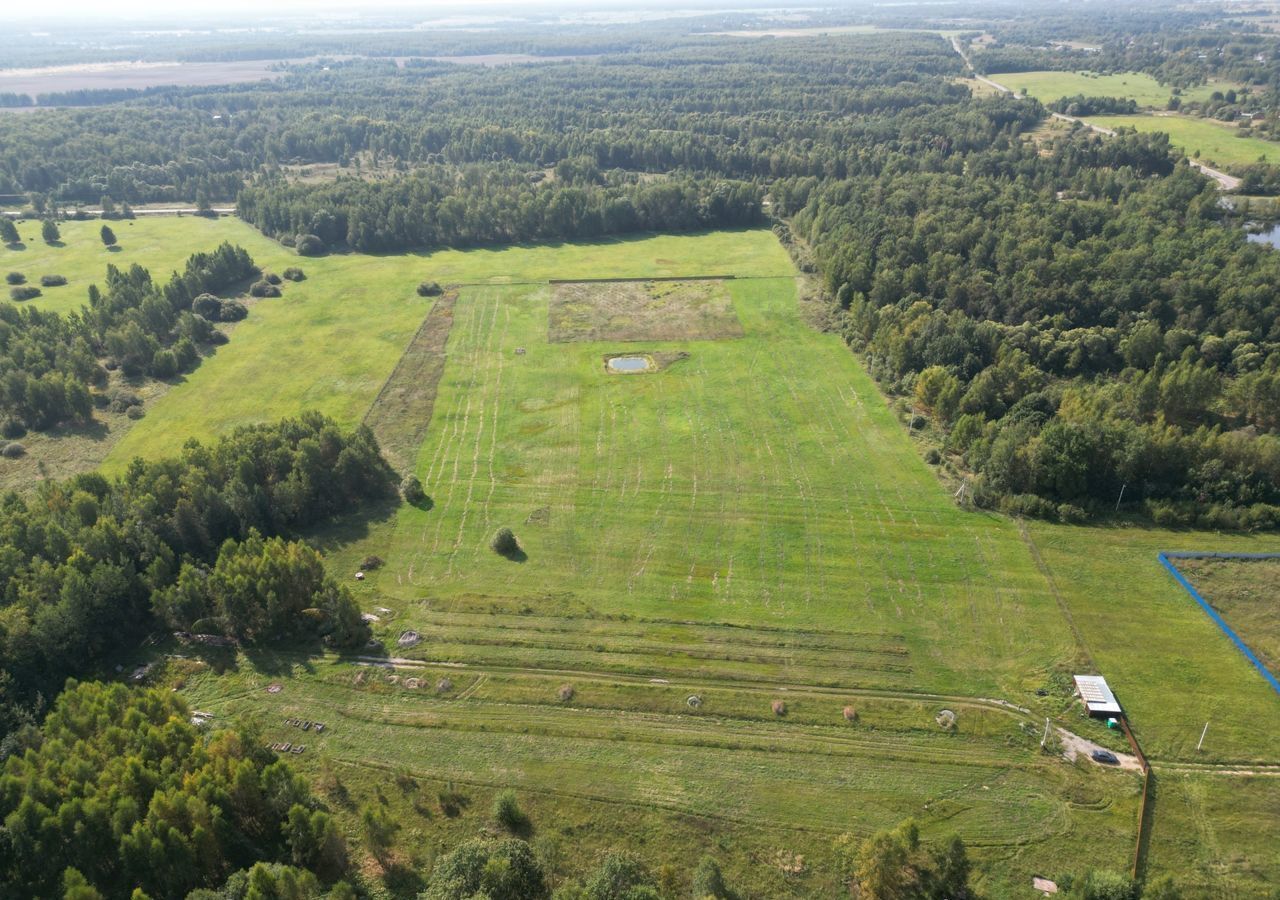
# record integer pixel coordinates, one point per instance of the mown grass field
(761, 481)
(1217, 143)
(1048, 86)
(730, 778)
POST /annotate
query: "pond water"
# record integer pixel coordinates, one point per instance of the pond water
(628, 364)
(1269, 236)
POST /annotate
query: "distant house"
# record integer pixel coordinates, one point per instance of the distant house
(1097, 697)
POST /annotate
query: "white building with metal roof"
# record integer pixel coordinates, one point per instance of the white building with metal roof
(1097, 697)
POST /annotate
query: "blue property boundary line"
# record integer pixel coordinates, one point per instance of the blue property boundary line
(1213, 613)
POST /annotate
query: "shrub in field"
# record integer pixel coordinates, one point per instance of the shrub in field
(13, 450)
(565, 692)
(371, 562)
(207, 305)
(507, 811)
(108, 236)
(499, 869)
(232, 311)
(293, 273)
(12, 428)
(309, 245)
(24, 292)
(264, 288)
(164, 364)
(430, 289)
(52, 280)
(16, 278)
(49, 231)
(271, 278)
(411, 490)
(504, 542)
(135, 412)
(9, 231)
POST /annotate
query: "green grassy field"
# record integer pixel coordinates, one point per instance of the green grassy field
(1217, 143)
(331, 341)
(1244, 592)
(1049, 86)
(751, 523)
(160, 244)
(1171, 667)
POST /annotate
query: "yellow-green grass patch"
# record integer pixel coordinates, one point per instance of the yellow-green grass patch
(1048, 86)
(1211, 142)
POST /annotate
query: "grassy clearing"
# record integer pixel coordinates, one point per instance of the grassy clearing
(1217, 143)
(1049, 86)
(690, 310)
(1243, 591)
(759, 481)
(331, 342)
(160, 244)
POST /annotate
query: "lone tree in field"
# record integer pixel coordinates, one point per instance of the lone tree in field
(411, 489)
(108, 236)
(504, 542)
(430, 289)
(8, 231)
(49, 231)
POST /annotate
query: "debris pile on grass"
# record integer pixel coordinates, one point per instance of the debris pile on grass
(850, 714)
(565, 693)
(409, 639)
(779, 708)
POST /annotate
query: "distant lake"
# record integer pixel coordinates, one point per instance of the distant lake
(1269, 236)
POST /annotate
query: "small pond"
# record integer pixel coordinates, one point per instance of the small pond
(628, 364)
(1270, 235)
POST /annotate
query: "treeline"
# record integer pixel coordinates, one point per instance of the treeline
(1080, 105)
(439, 207)
(91, 565)
(118, 795)
(49, 362)
(1080, 330)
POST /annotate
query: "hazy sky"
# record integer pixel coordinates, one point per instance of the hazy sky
(170, 10)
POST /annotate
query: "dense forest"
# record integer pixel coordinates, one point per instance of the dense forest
(1078, 330)
(205, 542)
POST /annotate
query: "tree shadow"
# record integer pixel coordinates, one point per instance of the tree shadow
(516, 556)
(423, 503)
(56, 243)
(114, 248)
(402, 880)
(270, 661)
(356, 526)
(16, 245)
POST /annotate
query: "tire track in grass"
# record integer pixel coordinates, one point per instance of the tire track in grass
(483, 355)
(462, 428)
